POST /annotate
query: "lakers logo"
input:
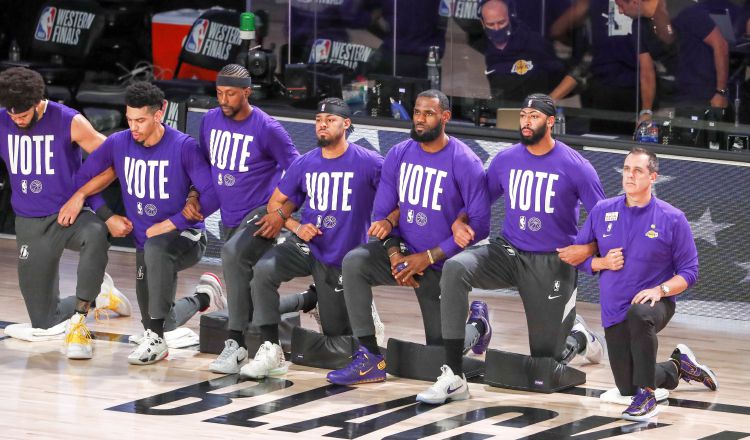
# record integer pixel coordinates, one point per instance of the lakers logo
(522, 67)
(652, 234)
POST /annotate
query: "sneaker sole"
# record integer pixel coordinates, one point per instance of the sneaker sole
(455, 398)
(79, 354)
(359, 382)
(139, 362)
(642, 418)
(689, 353)
(275, 372)
(228, 371)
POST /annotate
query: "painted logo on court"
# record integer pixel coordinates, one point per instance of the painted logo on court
(197, 36)
(228, 180)
(150, 210)
(23, 253)
(46, 23)
(329, 222)
(535, 224)
(36, 186)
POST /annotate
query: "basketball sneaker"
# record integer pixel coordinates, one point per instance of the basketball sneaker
(642, 407)
(691, 370)
(110, 298)
(230, 358)
(594, 349)
(448, 387)
(210, 284)
(78, 342)
(152, 349)
(480, 312)
(364, 368)
(268, 361)
(379, 326)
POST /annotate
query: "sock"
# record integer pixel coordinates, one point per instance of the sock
(580, 340)
(237, 337)
(270, 333)
(203, 300)
(479, 324)
(157, 326)
(82, 306)
(370, 343)
(453, 355)
(309, 299)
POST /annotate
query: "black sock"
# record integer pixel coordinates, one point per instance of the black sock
(81, 306)
(479, 324)
(581, 340)
(454, 355)
(157, 326)
(270, 333)
(203, 300)
(309, 299)
(237, 337)
(370, 343)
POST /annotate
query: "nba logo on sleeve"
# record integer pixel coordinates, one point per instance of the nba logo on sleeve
(46, 23)
(197, 36)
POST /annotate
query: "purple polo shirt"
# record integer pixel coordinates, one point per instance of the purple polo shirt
(656, 242)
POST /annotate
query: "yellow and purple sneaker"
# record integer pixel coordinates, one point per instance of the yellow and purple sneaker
(365, 368)
(691, 370)
(480, 312)
(642, 407)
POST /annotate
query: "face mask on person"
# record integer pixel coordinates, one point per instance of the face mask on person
(498, 37)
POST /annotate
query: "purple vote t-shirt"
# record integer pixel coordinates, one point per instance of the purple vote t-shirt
(431, 190)
(41, 161)
(247, 159)
(542, 194)
(335, 195)
(656, 243)
(154, 181)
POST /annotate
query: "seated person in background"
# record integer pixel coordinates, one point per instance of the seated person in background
(519, 61)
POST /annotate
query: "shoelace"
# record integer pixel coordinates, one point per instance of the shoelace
(78, 331)
(114, 302)
(226, 354)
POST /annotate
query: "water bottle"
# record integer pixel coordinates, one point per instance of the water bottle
(647, 132)
(14, 53)
(559, 127)
(433, 67)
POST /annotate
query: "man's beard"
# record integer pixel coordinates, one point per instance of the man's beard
(233, 111)
(535, 137)
(428, 135)
(32, 122)
(324, 142)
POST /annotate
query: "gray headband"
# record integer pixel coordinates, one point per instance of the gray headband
(233, 81)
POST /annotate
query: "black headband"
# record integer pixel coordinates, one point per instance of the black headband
(233, 81)
(543, 104)
(338, 109)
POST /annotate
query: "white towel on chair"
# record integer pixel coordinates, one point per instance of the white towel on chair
(26, 332)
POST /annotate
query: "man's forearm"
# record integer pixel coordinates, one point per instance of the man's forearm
(98, 183)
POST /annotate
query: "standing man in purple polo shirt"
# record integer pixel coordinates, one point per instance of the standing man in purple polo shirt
(335, 186)
(431, 179)
(248, 150)
(157, 165)
(542, 180)
(648, 257)
(39, 142)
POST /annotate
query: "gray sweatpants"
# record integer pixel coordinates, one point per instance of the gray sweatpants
(367, 266)
(546, 284)
(156, 276)
(40, 242)
(292, 259)
(239, 254)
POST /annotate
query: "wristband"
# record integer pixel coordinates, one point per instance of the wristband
(389, 256)
(390, 223)
(429, 255)
(281, 214)
(297, 228)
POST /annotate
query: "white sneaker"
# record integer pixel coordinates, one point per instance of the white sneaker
(448, 387)
(268, 361)
(594, 349)
(210, 284)
(152, 349)
(379, 326)
(78, 343)
(136, 339)
(230, 359)
(110, 298)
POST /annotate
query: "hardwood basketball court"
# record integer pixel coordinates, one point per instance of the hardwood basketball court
(47, 396)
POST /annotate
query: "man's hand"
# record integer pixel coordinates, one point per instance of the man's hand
(119, 226)
(614, 260)
(160, 228)
(408, 267)
(307, 232)
(653, 294)
(380, 229)
(192, 209)
(463, 234)
(576, 254)
(719, 100)
(70, 210)
(270, 226)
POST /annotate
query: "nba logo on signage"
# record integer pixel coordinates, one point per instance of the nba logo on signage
(321, 51)
(197, 36)
(46, 23)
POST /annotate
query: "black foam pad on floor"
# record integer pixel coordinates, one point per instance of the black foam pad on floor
(423, 362)
(215, 330)
(526, 373)
(317, 350)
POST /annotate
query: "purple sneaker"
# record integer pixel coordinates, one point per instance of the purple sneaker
(365, 368)
(480, 312)
(642, 407)
(691, 370)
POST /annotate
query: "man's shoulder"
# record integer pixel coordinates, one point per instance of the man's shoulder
(668, 209)
(365, 153)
